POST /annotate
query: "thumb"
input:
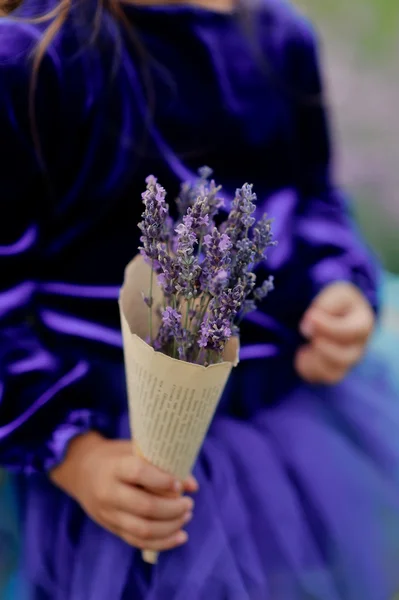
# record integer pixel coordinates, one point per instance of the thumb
(334, 300)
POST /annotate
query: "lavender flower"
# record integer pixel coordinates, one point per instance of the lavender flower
(251, 302)
(155, 224)
(240, 220)
(148, 300)
(219, 283)
(248, 306)
(187, 264)
(171, 319)
(262, 238)
(201, 189)
(205, 173)
(262, 291)
(199, 215)
(186, 237)
(229, 302)
(214, 334)
(244, 258)
(214, 202)
(171, 330)
(189, 191)
(217, 259)
(168, 273)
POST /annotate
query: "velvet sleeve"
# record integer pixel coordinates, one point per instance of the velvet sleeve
(45, 397)
(327, 239)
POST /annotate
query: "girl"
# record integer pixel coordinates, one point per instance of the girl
(297, 492)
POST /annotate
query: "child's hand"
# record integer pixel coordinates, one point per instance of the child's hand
(125, 494)
(337, 325)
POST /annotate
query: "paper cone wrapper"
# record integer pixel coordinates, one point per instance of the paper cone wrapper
(171, 402)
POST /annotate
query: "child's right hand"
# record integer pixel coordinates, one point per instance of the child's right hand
(124, 493)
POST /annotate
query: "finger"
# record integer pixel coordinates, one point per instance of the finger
(334, 300)
(312, 367)
(137, 471)
(355, 327)
(173, 541)
(341, 357)
(147, 530)
(145, 504)
(338, 298)
(190, 485)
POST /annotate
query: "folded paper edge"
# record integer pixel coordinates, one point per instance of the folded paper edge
(147, 348)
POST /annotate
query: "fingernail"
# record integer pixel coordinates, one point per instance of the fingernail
(181, 537)
(177, 486)
(189, 504)
(193, 483)
(187, 517)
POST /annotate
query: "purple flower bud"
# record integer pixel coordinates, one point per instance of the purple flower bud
(149, 301)
(171, 331)
(262, 291)
(171, 318)
(214, 334)
(225, 243)
(205, 332)
(201, 190)
(262, 238)
(217, 258)
(219, 283)
(188, 269)
(155, 224)
(168, 271)
(240, 220)
(229, 303)
(186, 238)
(199, 216)
(205, 173)
(248, 307)
(243, 260)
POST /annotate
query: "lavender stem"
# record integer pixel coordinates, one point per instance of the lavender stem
(150, 308)
(204, 309)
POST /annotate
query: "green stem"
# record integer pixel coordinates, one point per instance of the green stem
(200, 246)
(188, 308)
(199, 316)
(205, 308)
(200, 351)
(151, 301)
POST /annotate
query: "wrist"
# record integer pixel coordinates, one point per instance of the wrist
(68, 474)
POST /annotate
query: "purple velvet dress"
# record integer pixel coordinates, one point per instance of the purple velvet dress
(299, 488)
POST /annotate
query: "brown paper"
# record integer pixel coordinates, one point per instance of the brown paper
(136, 284)
(171, 402)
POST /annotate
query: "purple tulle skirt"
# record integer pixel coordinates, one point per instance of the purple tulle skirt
(299, 499)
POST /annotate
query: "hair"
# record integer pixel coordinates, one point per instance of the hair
(56, 19)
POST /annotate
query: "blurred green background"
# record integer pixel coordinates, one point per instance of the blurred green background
(361, 55)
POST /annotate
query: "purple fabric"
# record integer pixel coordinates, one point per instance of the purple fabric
(299, 496)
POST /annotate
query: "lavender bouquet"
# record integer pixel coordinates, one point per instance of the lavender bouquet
(182, 303)
(206, 273)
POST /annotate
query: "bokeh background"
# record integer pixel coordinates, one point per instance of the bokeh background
(360, 41)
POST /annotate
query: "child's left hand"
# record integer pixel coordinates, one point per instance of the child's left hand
(337, 326)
